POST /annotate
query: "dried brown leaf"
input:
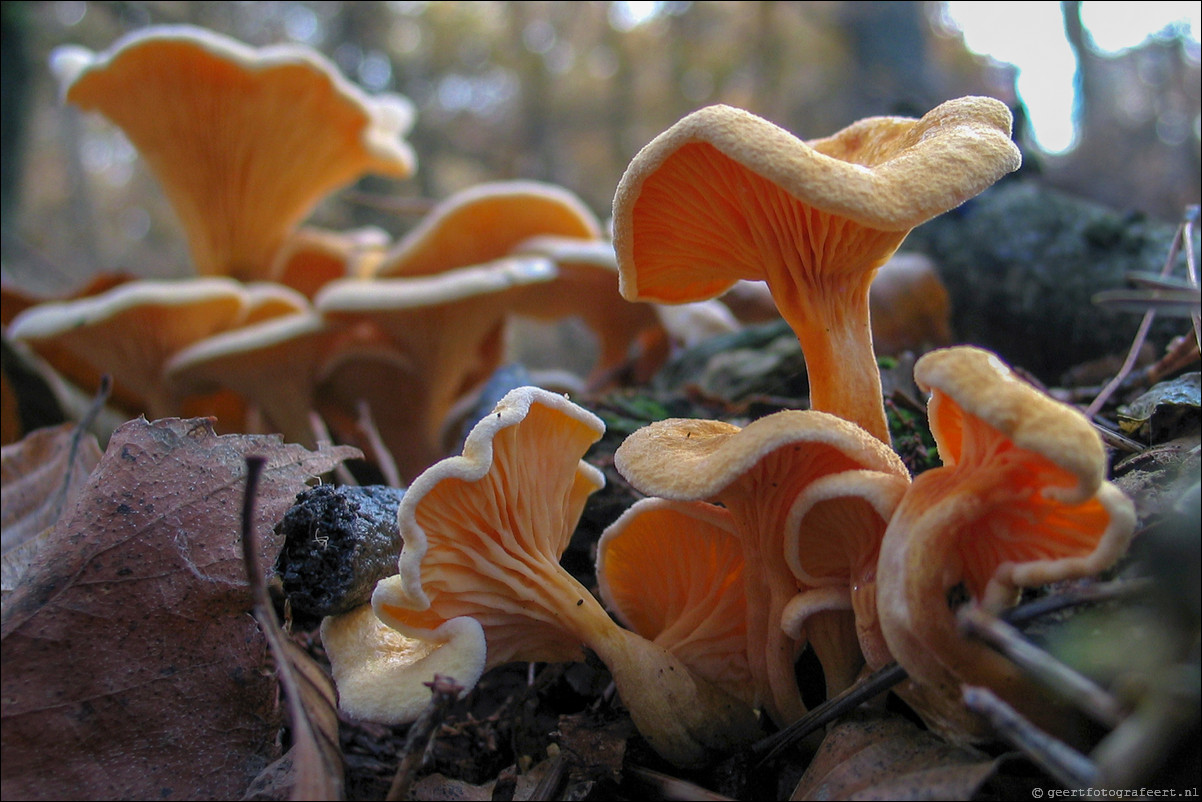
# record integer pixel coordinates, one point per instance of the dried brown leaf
(132, 668)
(873, 755)
(40, 476)
(313, 768)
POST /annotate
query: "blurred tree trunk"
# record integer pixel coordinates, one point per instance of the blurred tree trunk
(14, 95)
(889, 59)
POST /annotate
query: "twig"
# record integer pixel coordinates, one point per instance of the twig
(1078, 689)
(1191, 266)
(384, 459)
(322, 434)
(1184, 231)
(445, 691)
(1136, 750)
(550, 785)
(668, 787)
(313, 780)
(1066, 764)
(388, 203)
(878, 682)
(1091, 593)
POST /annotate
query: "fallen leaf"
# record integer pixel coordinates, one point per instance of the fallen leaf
(41, 476)
(132, 668)
(313, 768)
(876, 755)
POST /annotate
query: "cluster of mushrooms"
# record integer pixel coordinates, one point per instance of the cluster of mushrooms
(802, 527)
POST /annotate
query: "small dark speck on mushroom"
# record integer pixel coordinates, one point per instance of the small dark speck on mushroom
(579, 602)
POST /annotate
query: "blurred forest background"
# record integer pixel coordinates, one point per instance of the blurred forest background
(565, 93)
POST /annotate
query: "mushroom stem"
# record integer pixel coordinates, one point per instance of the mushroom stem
(769, 588)
(684, 718)
(915, 626)
(834, 328)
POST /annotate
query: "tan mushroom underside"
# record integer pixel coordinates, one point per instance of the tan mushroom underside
(245, 142)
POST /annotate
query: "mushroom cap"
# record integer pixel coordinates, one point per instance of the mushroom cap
(274, 365)
(689, 459)
(483, 533)
(312, 257)
(382, 675)
(132, 330)
(697, 205)
(832, 544)
(672, 572)
(587, 288)
(1025, 462)
(447, 330)
(266, 300)
(757, 473)
(724, 196)
(245, 141)
(485, 222)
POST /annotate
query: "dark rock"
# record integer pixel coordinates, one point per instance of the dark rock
(1022, 264)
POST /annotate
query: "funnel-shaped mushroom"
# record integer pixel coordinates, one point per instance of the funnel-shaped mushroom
(1020, 501)
(275, 366)
(672, 571)
(838, 573)
(381, 675)
(483, 533)
(724, 195)
(484, 223)
(446, 334)
(245, 142)
(311, 257)
(629, 335)
(132, 331)
(78, 372)
(757, 473)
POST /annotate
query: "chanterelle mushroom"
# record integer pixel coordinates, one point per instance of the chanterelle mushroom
(484, 223)
(758, 473)
(446, 331)
(245, 141)
(483, 533)
(1020, 502)
(672, 571)
(724, 195)
(131, 331)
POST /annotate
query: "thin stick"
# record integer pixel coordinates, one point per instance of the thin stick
(1079, 690)
(314, 779)
(384, 459)
(1142, 334)
(875, 683)
(322, 434)
(1081, 594)
(1191, 267)
(421, 731)
(1066, 764)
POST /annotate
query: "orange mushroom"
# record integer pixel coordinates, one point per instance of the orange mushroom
(758, 473)
(724, 195)
(838, 573)
(244, 141)
(132, 331)
(446, 336)
(631, 336)
(382, 676)
(1019, 502)
(484, 223)
(672, 571)
(910, 306)
(483, 534)
(275, 366)
(311, 257)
